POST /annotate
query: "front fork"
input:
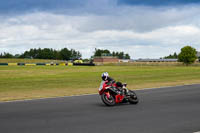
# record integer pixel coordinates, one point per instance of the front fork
(125, 90)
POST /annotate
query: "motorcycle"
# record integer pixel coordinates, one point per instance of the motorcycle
(111, 94)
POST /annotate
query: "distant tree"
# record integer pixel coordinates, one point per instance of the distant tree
(113, 53)
(120, 55)
(100, 52)
(117, 54)
(75, 54)
(188, 55)
(65, 54)
(49, 53)
(174, 56)
(127, 56)
(97, 52)
(6, 55)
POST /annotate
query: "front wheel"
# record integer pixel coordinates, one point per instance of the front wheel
(133, 99)
(108, 101)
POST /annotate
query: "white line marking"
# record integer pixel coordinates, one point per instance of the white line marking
(197, 132)
(93, 94)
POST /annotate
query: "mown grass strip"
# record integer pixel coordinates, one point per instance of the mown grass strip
(21, 82)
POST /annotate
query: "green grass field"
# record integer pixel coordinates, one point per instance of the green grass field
(29, 82)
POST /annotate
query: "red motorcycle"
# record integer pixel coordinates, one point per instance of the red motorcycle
(111, 94)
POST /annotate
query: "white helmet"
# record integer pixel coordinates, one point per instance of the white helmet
(104, 76)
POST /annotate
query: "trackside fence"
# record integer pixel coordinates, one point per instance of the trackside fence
(47, 64)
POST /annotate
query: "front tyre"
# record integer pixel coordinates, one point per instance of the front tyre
(108, 101)
(133, 99)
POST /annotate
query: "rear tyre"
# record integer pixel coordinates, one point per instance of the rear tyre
(133, 99)
(108, 101)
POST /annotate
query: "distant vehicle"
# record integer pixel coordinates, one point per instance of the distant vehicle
(110, 95)
(78, 61)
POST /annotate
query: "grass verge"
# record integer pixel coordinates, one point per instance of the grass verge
(30, 82)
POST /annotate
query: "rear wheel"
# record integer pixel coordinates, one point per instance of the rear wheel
(133, 99)
(108, 101)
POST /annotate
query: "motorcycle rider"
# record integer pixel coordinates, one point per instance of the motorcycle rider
(105, 77)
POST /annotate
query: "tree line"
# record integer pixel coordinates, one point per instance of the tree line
(120, 55)
(172, 56)
(188, 55)
(63, 54)
(46, 53)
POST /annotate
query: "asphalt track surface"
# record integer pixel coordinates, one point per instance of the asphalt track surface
(164, 110)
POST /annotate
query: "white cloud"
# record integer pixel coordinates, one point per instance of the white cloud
(143, 32)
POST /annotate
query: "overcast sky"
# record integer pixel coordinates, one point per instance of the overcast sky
(142, 28)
